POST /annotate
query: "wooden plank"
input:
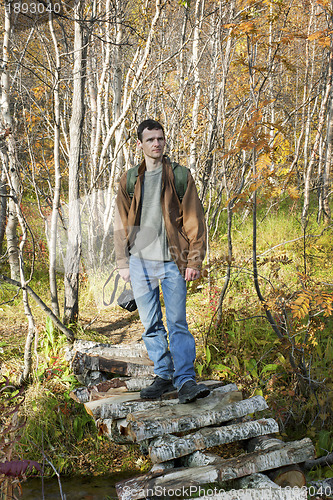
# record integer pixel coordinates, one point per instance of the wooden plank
(224, 470)
(169, 447)
(191, 416)
(134, 367)
(119, 408)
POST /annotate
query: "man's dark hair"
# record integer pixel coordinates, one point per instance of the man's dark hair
(150, 125)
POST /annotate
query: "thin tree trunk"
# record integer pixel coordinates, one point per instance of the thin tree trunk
(8, 153)
(314, 152)
(57, 185)
(326, 186)
(196, 84)
(3, 207)
(73, 253)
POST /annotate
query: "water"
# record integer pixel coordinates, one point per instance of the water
(75, 488)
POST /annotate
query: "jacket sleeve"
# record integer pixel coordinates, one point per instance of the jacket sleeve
(123, 203)
(194, 225)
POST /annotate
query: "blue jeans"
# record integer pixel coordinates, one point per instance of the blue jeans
(173, 360)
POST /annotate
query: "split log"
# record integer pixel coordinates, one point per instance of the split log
(224, 470)
(132, 350)
(112, 401)
(127, 383)
(107, 388)
(169, 447)
(112, 408)
(118, 408)
(181, 418)
(132, 367)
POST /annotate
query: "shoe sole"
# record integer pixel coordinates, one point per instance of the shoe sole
(169, 389)
(202, 393)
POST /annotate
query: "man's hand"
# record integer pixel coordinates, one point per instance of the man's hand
(191, 274)
(125, 274)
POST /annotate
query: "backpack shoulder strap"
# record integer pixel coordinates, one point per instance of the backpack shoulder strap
(180, 174)
(132, 175)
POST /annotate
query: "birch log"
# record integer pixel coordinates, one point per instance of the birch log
(195, 415)
(225, 470)
(107, 388)
(131, 403)
(132, 350)
(121, 408)
(169, 447)
(134, 367)
(290, 475)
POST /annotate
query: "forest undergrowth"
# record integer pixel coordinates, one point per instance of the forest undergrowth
(46, 427)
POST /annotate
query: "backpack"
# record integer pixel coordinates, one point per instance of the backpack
(179, 172)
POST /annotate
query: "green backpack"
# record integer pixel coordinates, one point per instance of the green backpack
(179, 172)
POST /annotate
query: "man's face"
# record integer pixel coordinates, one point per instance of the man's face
(153, 143)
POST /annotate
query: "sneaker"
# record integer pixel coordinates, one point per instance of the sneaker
(157, 388)
(191, 391)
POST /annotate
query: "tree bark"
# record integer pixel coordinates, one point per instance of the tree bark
(224, 470)
(201, 413)
(73, 252)
(8, 152)
(53, 235)
(3, 205)
(314, 152)
(169, 447)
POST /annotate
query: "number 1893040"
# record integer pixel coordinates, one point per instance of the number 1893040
(33, 7)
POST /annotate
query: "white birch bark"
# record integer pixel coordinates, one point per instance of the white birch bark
(133, 81)
(8, 152)
(53, 228)
(199, 6)
(73, 252)
(194, 416)
(223, 470)
(169, 447)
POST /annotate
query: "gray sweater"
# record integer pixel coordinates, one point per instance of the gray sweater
(151, 241)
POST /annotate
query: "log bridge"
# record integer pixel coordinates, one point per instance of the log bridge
(177, 436)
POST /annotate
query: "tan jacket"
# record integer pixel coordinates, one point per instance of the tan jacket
(184, 221)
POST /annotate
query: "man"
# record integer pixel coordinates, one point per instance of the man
(160, 238)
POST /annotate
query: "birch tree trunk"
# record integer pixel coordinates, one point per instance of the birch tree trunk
(57, 176)
(73, 253)
(3, 205)
(199, 6)
(314, 152)
(8, 153)
(326, 177)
